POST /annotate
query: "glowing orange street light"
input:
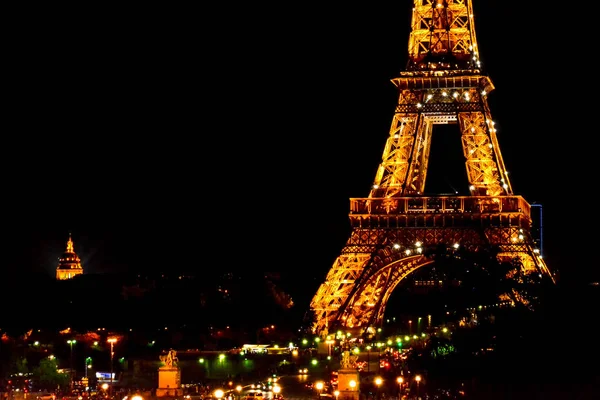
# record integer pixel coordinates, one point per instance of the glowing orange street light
(378, 382)
(276, 389)
(112, 342)
(418, 380)
(319, 386)
(400, 381)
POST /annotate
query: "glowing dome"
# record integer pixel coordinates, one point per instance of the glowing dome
(69, 264)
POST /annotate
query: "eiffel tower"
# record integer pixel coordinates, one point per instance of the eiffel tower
(443, 83)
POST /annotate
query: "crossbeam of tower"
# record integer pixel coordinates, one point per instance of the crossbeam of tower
(443, 83)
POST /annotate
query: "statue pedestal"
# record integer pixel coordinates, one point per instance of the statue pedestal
(169, 382)
(348, 384)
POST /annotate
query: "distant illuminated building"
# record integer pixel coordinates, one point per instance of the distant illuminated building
(69, 264)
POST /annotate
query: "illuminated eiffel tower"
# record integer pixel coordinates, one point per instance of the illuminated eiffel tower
(442, 84)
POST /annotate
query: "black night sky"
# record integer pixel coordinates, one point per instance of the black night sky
(233, 136)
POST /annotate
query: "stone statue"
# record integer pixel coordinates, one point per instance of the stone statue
(345, 359)
(170, 359)
(348, 361)
(169, 377)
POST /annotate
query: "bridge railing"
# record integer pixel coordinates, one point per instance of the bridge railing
(440, 204)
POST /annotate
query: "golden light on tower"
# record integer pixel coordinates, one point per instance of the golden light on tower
(395, 226)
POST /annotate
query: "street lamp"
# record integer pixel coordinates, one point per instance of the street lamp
(112, 342)
(88, 364)
(378, 382)
(276, 391)
(400, 381)
(71, 342)
(352, 384)
(319, 386)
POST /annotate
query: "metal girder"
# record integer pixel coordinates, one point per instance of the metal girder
(442, 30)
(442, 84)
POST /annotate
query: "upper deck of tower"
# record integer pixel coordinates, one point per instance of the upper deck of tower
(442, 38)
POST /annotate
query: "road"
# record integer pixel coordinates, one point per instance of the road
(294, 387)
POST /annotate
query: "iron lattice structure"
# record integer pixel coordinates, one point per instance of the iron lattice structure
(442, 84)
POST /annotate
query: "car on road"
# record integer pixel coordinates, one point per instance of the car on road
(253, 395)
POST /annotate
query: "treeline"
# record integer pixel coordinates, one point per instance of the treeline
(113, 300)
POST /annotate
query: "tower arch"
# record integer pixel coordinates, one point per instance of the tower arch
(443, 84)
(366, 305)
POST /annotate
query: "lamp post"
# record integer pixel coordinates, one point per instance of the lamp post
(86, 381)
(71, 342)
(378, 382)
(277, 391)
(112, 342)
(88, 364)
(400, 381)
(319, 386)
(330, 342)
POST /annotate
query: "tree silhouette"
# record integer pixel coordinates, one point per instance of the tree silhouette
(21, 366)
(46, 375)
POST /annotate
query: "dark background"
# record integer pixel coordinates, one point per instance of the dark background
(232, 136)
